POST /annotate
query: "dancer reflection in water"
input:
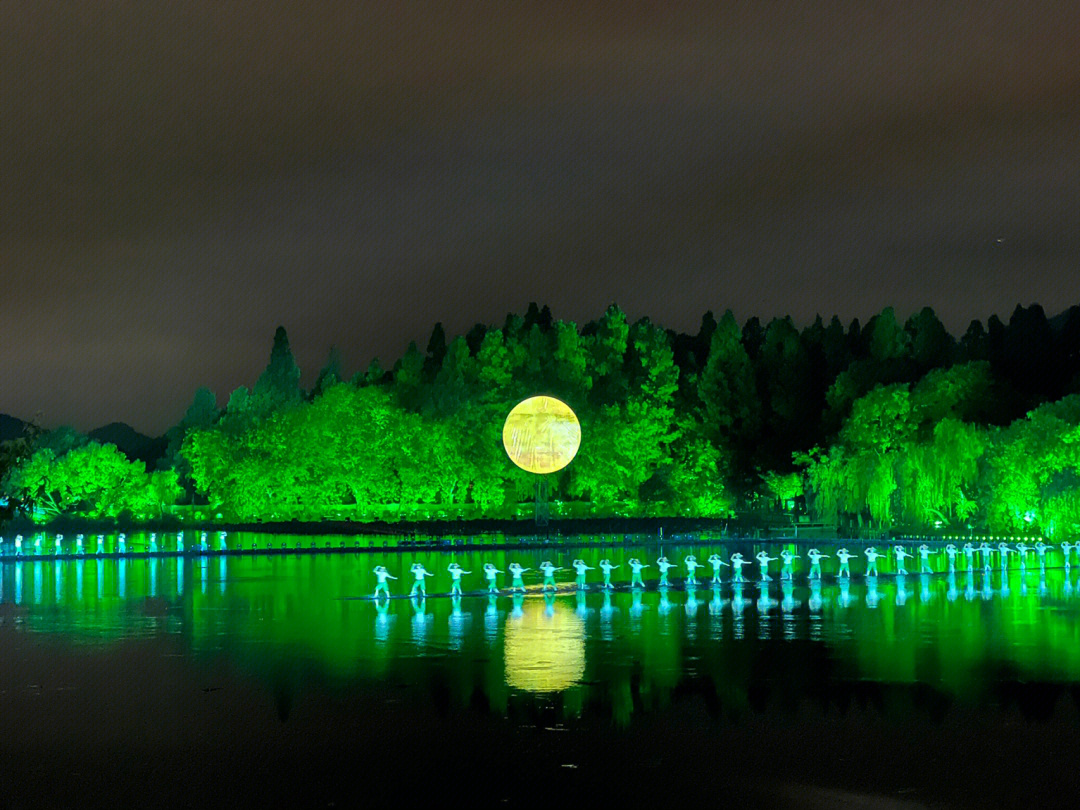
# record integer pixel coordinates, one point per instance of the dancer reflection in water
(737, 562)
(419, 584)
(607, 568)
(606, 612)
(455, 625)
(952, 593)
(988, 587)
(738, 601)
(845, 593)
(419, 618)
(490, 572)
(788, 602)
(517, 605)
(635, 573)
(636, 606)
(815, 596)
(581, 568)
(516, 583)
(664, 567)
(872, 595)
(716, 604)
(664, 608)
(382, 619)
(491, 619)
(692, 566)
(716, 562)
(381, 585)
(815, 562)
(764, 601)
(763, 560)
(549, 605)
(692, 603)
(844, 555)
(902, 593)
(455, 578)
(549, 575)
(580, 608)
(787, 571)
(872, 555)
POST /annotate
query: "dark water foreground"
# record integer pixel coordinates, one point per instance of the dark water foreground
(262, 681)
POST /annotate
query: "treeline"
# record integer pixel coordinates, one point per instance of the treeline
(886, 423)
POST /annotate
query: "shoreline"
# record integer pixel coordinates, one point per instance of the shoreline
(463, 544)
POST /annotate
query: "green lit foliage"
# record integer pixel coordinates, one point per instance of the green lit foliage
(731, 408)
(278, 388)
(329, 374)
(697, 476)
(784, 487)
(1034, 470)
(95, 480)
(906, 455)
(889, 424)
(202, 413)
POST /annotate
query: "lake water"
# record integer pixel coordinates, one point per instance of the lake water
(239, 663)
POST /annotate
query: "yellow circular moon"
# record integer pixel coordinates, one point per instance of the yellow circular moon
(544, 652)
(541, 434)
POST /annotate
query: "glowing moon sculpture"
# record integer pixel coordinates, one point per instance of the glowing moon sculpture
(541, 434)
(542, 652)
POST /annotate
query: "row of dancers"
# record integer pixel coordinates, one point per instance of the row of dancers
(80, 544)
(491, 573)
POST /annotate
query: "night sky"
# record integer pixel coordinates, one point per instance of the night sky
(177, 179)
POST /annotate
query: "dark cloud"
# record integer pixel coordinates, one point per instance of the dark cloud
(178, 179)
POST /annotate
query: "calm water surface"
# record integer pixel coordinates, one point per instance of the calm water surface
(300, 630)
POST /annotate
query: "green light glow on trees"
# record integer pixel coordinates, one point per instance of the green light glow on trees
(890, 423)
(95, 480)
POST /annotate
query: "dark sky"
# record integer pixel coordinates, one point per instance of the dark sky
(177, 179)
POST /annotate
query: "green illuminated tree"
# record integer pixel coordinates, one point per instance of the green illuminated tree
(730, 405)
(95, 480)
(609, 344)
(278, 387)
(329, 374)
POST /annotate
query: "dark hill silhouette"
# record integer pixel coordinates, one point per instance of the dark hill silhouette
(130, 442)
(10, 427)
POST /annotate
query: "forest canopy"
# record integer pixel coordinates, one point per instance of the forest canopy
(886, 424)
